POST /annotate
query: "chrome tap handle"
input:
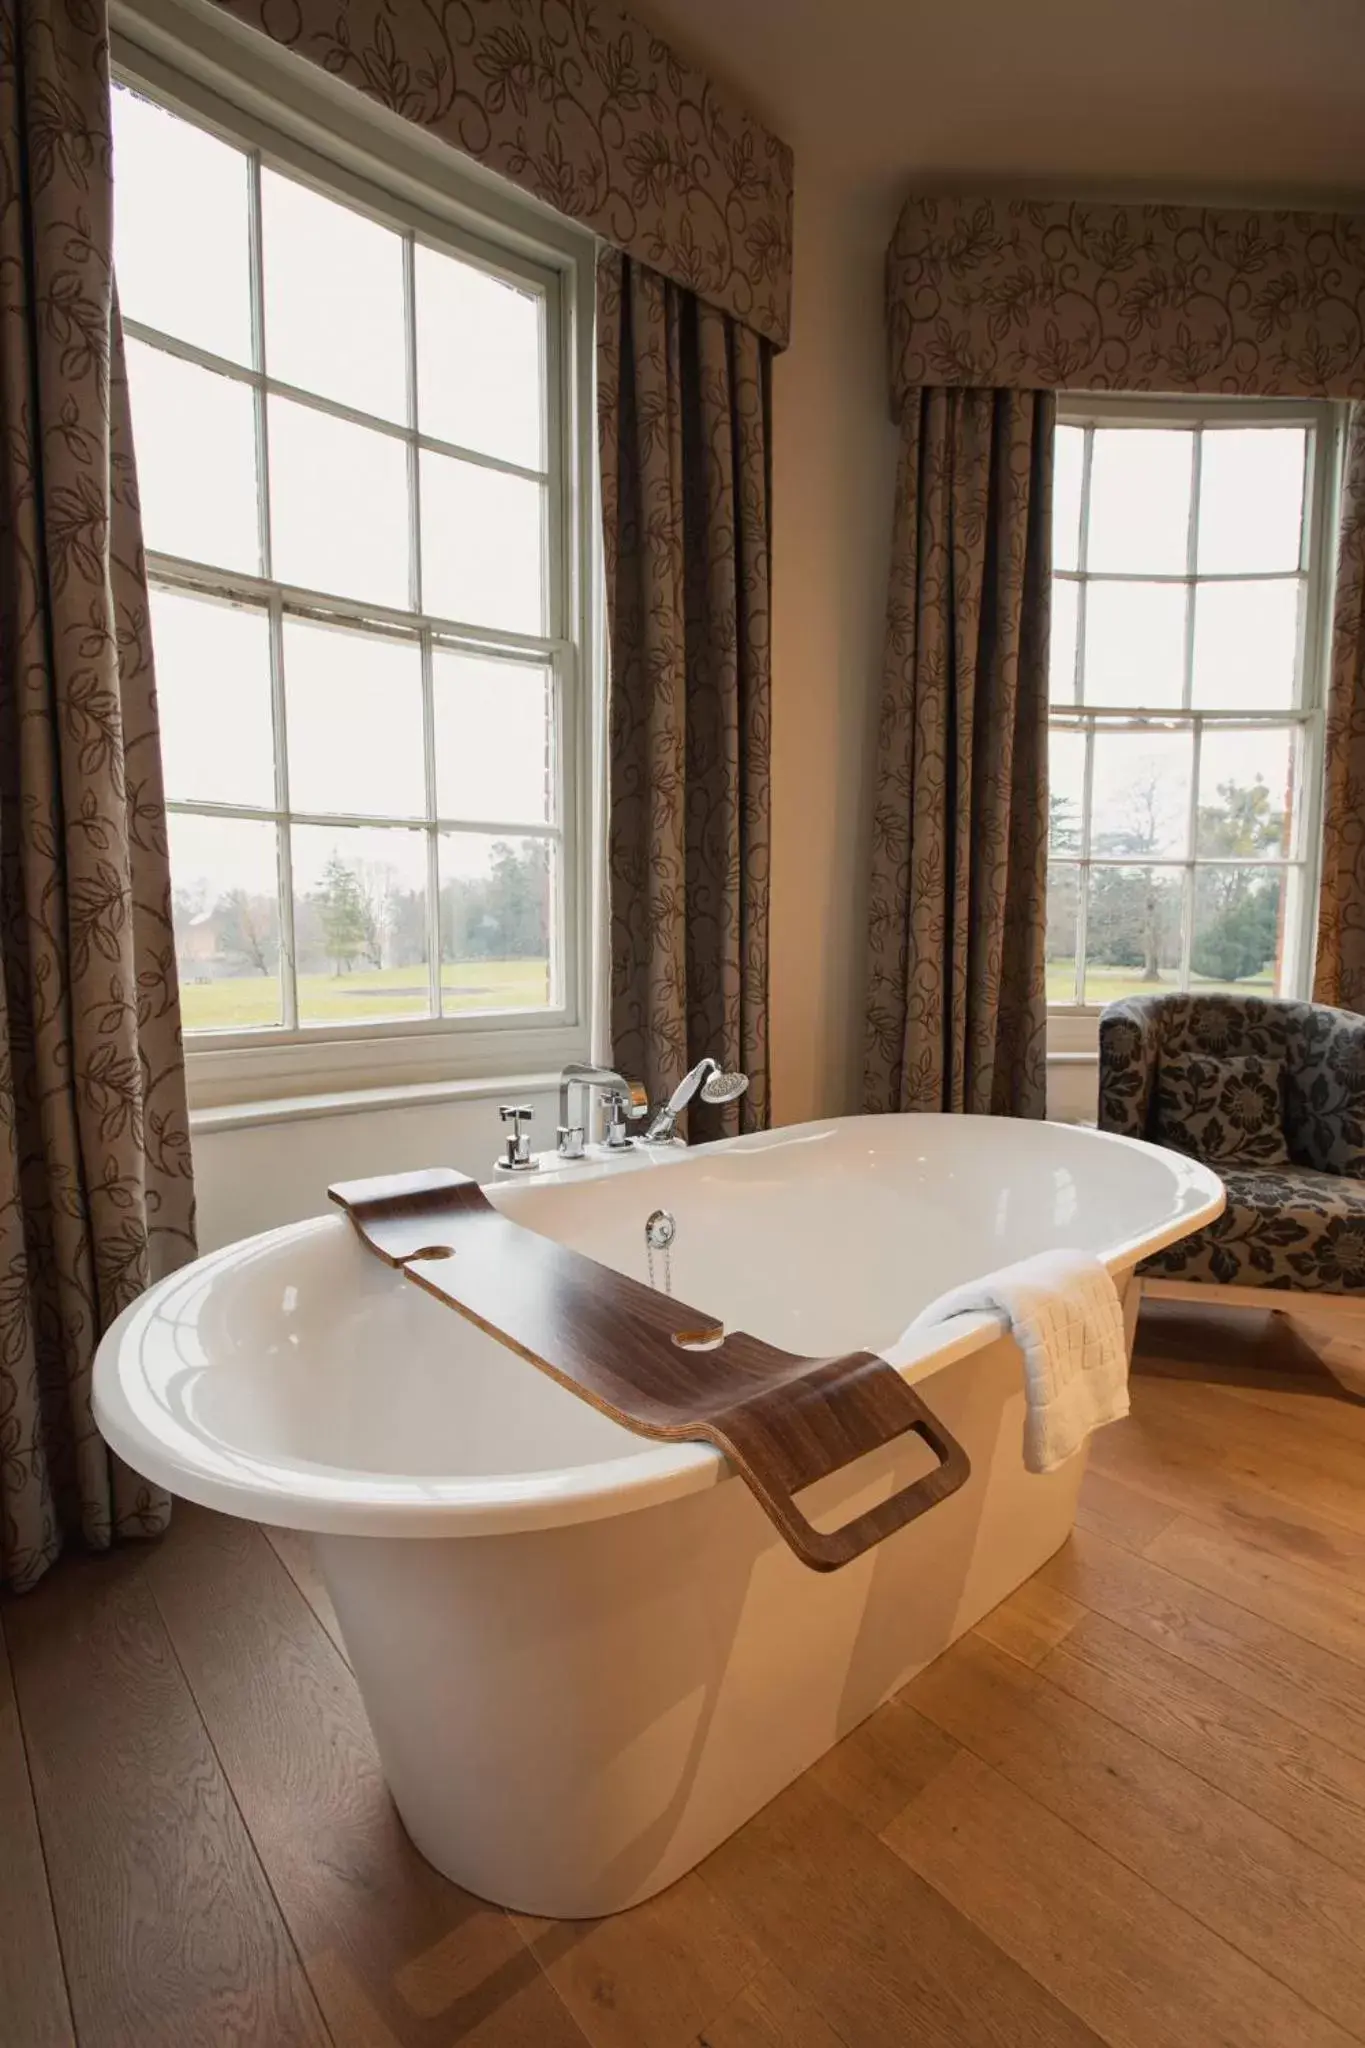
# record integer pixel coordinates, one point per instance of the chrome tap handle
(624, 1107)
(517, 1158)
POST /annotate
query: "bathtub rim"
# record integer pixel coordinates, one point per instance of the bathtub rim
(335, 1500)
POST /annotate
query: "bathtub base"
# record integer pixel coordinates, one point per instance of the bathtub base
(570, 1720)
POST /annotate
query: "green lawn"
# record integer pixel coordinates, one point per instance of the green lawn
(368, 995)
(377, 995)
(1106, 984)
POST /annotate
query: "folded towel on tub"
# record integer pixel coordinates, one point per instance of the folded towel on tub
(1065, 1315)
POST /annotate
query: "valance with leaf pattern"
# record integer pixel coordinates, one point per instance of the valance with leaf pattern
(1053, 295)
(582, 106)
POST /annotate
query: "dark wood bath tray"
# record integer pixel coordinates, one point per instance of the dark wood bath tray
(782, 1421)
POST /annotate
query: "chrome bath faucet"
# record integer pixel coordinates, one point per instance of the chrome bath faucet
(626, 1103)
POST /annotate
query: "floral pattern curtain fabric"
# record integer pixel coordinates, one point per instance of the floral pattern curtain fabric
(1340, 976)
(957, 1010)
(1051, 295)
(95, 1190)
(684, 421)
(576, 102)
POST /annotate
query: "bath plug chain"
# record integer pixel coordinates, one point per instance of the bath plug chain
(660, 1231)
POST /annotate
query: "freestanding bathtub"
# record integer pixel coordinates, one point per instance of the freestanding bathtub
(587, 1657)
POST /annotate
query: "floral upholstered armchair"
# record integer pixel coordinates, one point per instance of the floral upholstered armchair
(1271, 1095)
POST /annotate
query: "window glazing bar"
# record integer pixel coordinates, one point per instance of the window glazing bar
(240, 586)
(1119, 717)
(363, 822)
(274, 387)
(1176, 576)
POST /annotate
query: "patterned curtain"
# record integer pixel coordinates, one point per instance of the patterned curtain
(1340, 976)
(957, 1009)
(684, 421)
(95, 1190)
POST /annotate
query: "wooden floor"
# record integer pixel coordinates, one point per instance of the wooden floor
(1129, 1808)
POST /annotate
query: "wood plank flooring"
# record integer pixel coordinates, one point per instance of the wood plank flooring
(1128, 1808)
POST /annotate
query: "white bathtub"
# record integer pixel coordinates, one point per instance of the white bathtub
(592, 1657)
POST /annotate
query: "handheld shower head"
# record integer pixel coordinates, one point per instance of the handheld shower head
(723, 1087)
(708, 1080)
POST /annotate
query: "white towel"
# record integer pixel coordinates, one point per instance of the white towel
(1066, 1317)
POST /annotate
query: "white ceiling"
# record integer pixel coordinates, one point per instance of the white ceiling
(1216, 98)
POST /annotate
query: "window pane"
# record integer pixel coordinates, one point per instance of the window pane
(1250, 499)
(1066, 788)
(338, 506)
(1067, 463)
(333, 299)
(1246, 645)
(1237, 929)
(360, 923)
(1065, 606)
(1140, 794)
(494, 739)
(195, 438)
(1246, 792)
(1135, 644)
(1132, 932)
(497, 920)
(479, 376)
(213, 698)
(482, 545)
(225, 910)
(1140, 501)
(181, 238)
(354, 707)
(1063, 897)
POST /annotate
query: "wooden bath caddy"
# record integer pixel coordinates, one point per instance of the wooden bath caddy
(656, 1365)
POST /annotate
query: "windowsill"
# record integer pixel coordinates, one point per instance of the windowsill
(288, 1109)
(1073, 1036)
(361, 1071)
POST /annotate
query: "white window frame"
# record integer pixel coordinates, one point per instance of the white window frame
(1073, 1027)
(269, 102)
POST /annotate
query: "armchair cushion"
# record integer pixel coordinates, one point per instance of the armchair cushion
(1285, 1227)
(1223, 1111)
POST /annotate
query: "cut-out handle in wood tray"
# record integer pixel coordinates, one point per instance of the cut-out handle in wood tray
(783, 1421)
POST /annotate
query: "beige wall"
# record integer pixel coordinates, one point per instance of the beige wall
(833, 472)
(266, 1173)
